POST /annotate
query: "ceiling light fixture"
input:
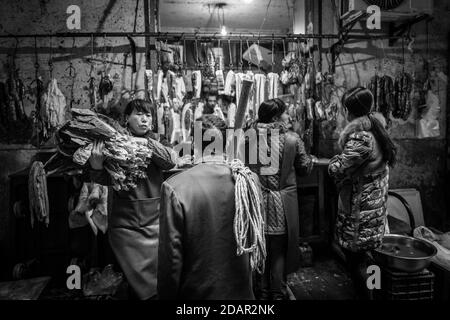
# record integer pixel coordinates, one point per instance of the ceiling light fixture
(223, 28)
(223, 31)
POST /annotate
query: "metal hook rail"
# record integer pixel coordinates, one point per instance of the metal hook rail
(197, 35)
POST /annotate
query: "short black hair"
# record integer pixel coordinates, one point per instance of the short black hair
(270, 109)
(139, 105)
(358, 101)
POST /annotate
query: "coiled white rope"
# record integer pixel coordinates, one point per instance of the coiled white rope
(249, 216)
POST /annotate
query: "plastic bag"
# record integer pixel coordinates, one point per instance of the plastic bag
(428, 125)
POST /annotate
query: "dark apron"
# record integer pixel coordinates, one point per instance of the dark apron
(133, 234)
(288, 191)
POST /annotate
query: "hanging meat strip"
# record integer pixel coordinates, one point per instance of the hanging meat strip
(402, 96)
(37, 193)
(383, 91)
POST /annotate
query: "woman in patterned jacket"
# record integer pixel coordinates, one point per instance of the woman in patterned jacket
(361, 173)
(279, 189)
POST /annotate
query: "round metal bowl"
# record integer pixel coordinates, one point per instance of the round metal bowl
(402, 253)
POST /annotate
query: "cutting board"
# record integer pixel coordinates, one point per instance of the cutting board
(28, 289)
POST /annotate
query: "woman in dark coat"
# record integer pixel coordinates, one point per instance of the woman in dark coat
(133, 225)
(361, 172)
(280, 197)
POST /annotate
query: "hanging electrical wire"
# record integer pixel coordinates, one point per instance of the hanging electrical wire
(265, 17)
(135, 15)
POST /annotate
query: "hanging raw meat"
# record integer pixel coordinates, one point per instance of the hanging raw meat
(37, 193)
(382, 88)
(105, 86)
(16, 91)
(53, 112)
(402, 96)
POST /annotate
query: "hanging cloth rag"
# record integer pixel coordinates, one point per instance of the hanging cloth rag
(186, 121)
(231, 116)
(187, 79)
(171, 84)
(239, 77)
(160, 117)
(54, 102)
(179, 88)
(259, 92)
(230, 81)
(250, 111)
(165, 90)
(159, 84)
(177, 133)
(38, 195)
(197, 83)
(428, 125)
(273, 79)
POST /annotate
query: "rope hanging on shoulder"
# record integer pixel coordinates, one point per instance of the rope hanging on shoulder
(248, 219)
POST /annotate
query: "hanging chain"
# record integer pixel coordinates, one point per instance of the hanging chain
(403, 54)
(241, 62)
(197, 61)
(184, 54)
(231, 57)
(158, 53)
(73, 76)
(248, 48)
(428, 48)
(36, 64)
(104, 53)
(50, 60)
(259, 63)
(273, 53)
(92, 56)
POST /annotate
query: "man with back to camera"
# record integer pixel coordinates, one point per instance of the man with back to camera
(202, 256)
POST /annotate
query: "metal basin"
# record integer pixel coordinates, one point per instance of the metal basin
(402, 253)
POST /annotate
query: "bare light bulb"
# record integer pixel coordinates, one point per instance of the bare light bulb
(223, 31)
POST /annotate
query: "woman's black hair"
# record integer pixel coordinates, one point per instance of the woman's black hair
(140, 106)
(270, 109)
(358, 102)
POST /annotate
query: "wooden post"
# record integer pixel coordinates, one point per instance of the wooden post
(242, 105)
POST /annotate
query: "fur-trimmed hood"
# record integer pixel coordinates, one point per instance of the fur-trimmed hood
(283, 127)
(358, 125)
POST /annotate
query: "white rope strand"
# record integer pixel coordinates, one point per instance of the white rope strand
(249, 218)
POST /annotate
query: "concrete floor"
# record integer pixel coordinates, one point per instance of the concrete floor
(325, 280)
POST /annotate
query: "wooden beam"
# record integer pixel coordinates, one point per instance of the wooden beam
(147, 39)
(154, 27)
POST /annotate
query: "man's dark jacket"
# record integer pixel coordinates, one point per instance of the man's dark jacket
(197, 248)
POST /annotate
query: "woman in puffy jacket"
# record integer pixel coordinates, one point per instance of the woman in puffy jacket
(361, 173)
